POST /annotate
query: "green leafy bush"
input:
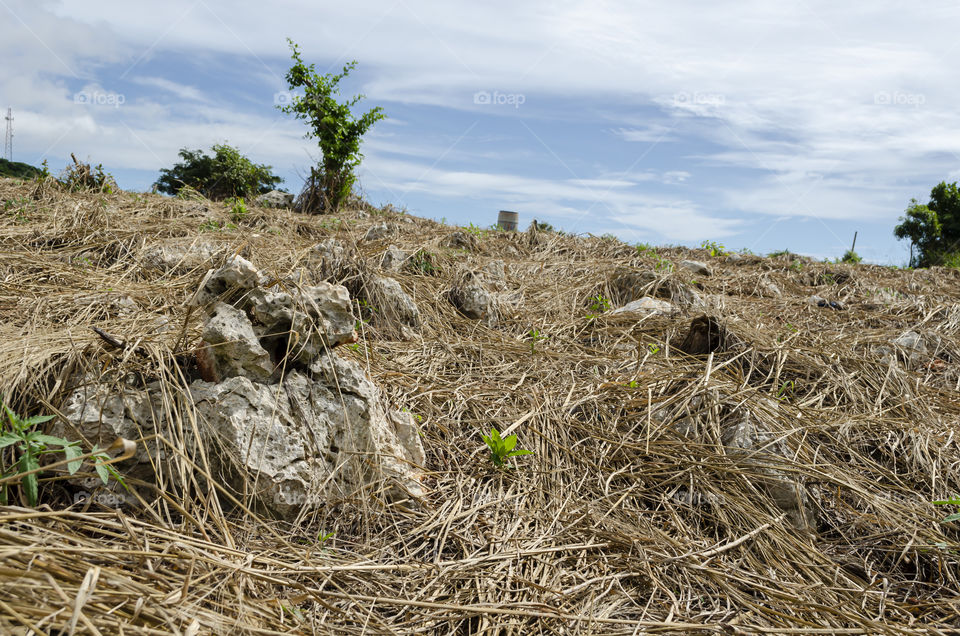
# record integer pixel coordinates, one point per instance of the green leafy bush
(225, 175)
(334, 126)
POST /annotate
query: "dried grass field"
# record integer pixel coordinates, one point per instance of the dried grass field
(743, 462)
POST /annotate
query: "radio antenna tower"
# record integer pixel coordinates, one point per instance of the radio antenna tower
(8, 138)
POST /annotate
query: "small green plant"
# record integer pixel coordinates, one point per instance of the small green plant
(632, 384)
(238, 209)
(423, 262)
(322, 537)
(653, 349)
(786, 390)
(851, 257)
(643, 248)
(953, 501)
(663, 264)
(535, 337)
(779, 253)
(715, 249)
(475, 230)
(599, 305)
(502, 448)
(31, 445)
(210, 225)
(796, 266)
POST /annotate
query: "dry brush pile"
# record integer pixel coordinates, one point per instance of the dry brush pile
(740, 460)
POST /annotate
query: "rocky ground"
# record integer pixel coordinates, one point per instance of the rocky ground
(720, 442)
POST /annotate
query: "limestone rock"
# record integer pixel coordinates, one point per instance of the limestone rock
(645, 306)
(459, 240)
(379, 231)
(275, 199)
(178, 258)
(393, 259)
(391, 302)
(233, 346)
(697, 267)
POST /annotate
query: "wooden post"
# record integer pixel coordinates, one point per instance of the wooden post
(852, 247)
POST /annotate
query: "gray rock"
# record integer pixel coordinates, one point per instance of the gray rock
(472, 298)
(391, 302)
(335, 259)
(393, 259)
(735, 259)
(768, 288)
(697, 267)
(178, 258)
(234, 347)
(232, 280)
(459, 240)
(645, 306)
(379, 232)
(318, 435)
(747, 439)
(274, 199)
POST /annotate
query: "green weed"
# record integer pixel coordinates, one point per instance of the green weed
(502, 448)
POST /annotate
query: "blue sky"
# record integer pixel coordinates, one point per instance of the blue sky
(758, 125)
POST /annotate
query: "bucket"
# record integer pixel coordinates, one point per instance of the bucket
(508, 220)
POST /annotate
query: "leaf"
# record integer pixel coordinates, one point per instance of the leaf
(509, 442)
(947, 502)
(102, 470)
(49, 439)
(28, 462)
(952, 517)
(72, 451)
(37, 419)
(7, 439)
(495, 434)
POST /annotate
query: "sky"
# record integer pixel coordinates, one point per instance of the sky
(756, 125)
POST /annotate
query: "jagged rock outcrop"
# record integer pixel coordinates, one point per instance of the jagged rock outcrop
(280, 414)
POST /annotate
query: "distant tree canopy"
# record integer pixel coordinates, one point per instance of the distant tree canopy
(226, 174)
(934, 228)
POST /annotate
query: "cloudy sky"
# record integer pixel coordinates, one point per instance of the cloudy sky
(759, 125)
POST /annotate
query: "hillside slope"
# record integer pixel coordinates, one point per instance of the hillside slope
(742, 460)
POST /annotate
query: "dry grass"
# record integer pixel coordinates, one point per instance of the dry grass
(617, 525)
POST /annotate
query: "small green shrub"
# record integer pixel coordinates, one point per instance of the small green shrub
(80, 177)
(31, 445)
(851, 257)
(334, 126)
(599, 305)
(224, 175)
(502, 448)
(238, 209)
(535, 337)
(716, 250)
